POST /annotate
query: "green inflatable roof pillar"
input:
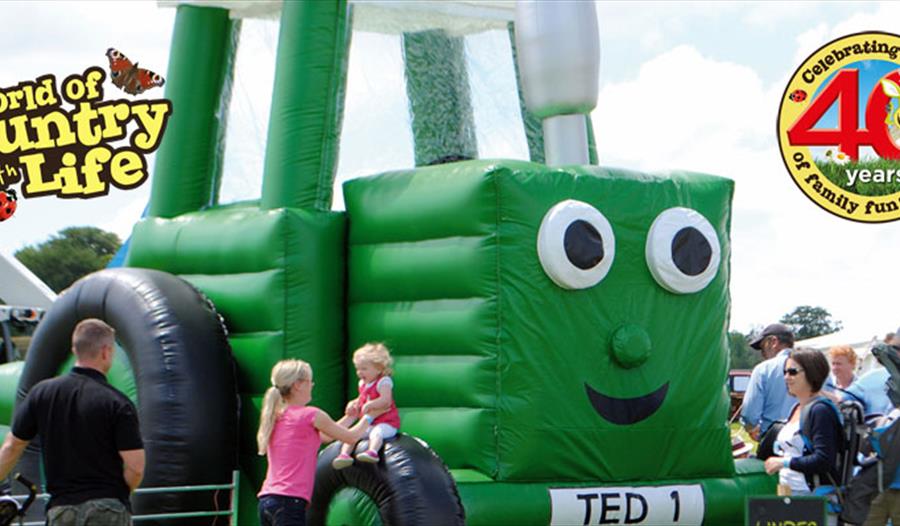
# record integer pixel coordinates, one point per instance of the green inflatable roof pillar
(198, 84)
(307, 105)
(439, 99)
(592, 141)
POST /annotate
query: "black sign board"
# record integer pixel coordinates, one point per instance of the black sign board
(786, 511)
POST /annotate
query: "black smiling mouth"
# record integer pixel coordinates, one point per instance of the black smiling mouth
(626, 411)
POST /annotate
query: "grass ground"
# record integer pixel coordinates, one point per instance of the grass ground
(837, 174)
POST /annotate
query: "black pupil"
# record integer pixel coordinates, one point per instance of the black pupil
(584, 245)
(691, 251)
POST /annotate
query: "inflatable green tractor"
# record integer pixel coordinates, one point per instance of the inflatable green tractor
(559, 329)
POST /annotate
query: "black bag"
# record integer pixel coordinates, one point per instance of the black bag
(853, 433)
(766, 447)
(873, 477)
(877, 475)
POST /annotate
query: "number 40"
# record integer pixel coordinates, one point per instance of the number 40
(844, 89)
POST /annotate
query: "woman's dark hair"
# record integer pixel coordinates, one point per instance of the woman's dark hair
(814, 365)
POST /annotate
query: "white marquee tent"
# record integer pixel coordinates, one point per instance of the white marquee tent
(20, 287)
(860, 343)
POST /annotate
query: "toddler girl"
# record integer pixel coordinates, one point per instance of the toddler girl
(375, 402)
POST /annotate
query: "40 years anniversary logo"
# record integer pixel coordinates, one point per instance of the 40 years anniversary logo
(839, 127)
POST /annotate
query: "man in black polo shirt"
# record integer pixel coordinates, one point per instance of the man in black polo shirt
(90, 439)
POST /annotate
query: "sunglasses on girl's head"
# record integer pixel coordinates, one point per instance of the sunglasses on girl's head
(792, 371)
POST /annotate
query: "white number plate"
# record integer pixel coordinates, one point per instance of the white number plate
(644, 505)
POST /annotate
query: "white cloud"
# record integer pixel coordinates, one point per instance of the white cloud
(654, 24)
(52, 37)
(884, 18)
(809, 41)
(125, 215)
(66, 38)
(684, 110)
(767, 14)
(681, 109)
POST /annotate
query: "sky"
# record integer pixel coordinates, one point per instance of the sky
(683, 85)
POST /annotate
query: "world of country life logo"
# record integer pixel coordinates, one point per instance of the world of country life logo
(64, 139)
(839, 127)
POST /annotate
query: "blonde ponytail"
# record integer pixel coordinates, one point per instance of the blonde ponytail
(284, 374)
(272, 406)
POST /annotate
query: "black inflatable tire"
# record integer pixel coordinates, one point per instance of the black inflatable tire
(185, 376)
(410, 485)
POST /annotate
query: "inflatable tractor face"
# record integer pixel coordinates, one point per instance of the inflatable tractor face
(563, 325)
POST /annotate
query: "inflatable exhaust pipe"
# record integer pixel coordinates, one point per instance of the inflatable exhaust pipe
(558, 47)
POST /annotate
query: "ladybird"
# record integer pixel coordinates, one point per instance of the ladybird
(7, 204)
(798, 95)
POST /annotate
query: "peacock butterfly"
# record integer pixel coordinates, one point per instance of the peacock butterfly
(129, 77)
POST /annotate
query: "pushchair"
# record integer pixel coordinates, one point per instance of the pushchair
(10, 509)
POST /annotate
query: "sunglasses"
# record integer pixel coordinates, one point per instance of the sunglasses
(792, 371)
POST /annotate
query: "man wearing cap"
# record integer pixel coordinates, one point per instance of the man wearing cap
(767, 399)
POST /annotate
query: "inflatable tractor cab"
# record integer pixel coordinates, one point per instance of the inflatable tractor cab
(559, 328)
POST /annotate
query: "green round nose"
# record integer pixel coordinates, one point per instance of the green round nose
(630, 346)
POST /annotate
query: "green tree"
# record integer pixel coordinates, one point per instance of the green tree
(809, 322)
(69, 255)
(742, 355)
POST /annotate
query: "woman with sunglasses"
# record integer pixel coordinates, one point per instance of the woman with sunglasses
(801, 467)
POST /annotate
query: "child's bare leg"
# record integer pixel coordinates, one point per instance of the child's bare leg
(343, 459)
(376, 438)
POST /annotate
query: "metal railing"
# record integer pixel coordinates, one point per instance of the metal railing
(231, 512)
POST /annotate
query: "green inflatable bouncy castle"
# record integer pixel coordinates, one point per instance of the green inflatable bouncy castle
(559, 328)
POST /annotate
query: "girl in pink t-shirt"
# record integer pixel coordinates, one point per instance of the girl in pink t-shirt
(375, 402)
(290, 433)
